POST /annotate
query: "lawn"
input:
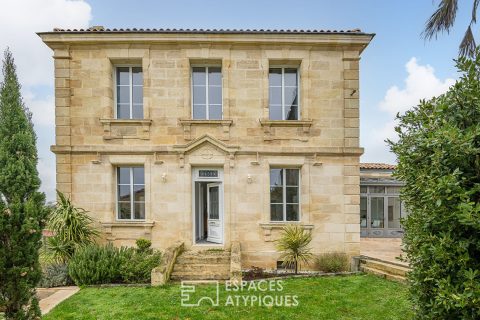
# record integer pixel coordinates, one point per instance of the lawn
(347, 297)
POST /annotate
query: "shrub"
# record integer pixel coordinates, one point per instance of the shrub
(55, 275)
(138, 267)
(332, 262)
(143, 245)
(294, 246)
(438, 159)
(72, 227)
(95, 264)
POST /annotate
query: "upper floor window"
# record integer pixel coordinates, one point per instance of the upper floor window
(283, 94)
(284, 194)
(131, 193)
(207, 93)
(129, 92)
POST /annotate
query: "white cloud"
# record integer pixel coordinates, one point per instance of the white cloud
(420, 83)
(19, 22)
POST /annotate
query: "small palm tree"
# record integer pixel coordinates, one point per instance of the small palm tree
(71, 226)
(294, 246)
(442, 20)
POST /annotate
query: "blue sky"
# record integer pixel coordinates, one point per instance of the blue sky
(397, 69)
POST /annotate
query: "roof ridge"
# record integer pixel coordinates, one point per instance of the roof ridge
(102, 29)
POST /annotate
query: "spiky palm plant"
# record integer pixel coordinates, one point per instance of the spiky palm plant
(443, 19)
(71, 226)
(294, 246)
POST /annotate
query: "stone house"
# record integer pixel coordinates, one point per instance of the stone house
(211, 136)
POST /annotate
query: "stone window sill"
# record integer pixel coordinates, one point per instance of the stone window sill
(268, 124)
(116, 128)
(110, 235)
(188, 123)
(269, 226)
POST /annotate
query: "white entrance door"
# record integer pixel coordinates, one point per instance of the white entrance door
(215, 214)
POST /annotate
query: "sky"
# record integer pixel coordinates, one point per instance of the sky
(397, 69)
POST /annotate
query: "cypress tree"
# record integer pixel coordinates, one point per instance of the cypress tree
(22, 209)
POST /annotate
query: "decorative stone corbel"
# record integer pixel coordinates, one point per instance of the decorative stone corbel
(257, 161)
(181, 159)
(156, 160)
(98, 160)
(232, 160)
(187, 132)
(316, 162)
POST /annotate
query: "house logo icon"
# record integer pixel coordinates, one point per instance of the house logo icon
(196, 293)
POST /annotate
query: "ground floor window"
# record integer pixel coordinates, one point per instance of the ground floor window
(130, 193)
(380, 207)
(284, 194)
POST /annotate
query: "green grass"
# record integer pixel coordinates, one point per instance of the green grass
(348, 297)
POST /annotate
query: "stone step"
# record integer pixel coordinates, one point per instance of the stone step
(177, 276)
(199, 268)
(390, 268)
(382, 274)
(203, 259)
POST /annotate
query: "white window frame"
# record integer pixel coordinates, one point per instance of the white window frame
(129, 66)
(132, 196)
(207, 111)
(283, 67)
(284, 195)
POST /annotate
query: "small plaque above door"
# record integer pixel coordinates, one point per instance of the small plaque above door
(208, 173)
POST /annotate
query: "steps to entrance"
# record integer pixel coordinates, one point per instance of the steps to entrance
(202, 265)
(385, 269)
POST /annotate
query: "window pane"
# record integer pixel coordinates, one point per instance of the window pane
(276, 113)
(276, 195)
(198, 76)
(291, 113)
(292, 194)
(123, 94)
(138, 175)
(377, 211)
(363, 189)
(123, 75)
(139, 193)
(199, 111)
(123, 111)
(377, 189)
(137, 95)
(292, 212)
(276, 212)
(394, 210)
(363, 212)
(275, 96)
(137, 76)
(215, 95)
(394, 190)
(214, 203)
(291, 95)
(124, 210)
(123, 175)
(290, 77)
(215, 76)
(292, 177)
(275, 77)
(124, 193)
(199, 95)
(137, 111)
(215, 112)
(139, 210)
(276, 177)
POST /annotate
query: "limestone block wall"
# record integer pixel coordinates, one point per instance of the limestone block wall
(323, 144)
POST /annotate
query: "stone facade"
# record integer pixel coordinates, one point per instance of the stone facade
(323, 144)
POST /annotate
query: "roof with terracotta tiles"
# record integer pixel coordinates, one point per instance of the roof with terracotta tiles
(101, 29)
(380, 166)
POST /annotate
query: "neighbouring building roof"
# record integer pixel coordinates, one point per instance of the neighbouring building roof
(102, 29)
(379, 166)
